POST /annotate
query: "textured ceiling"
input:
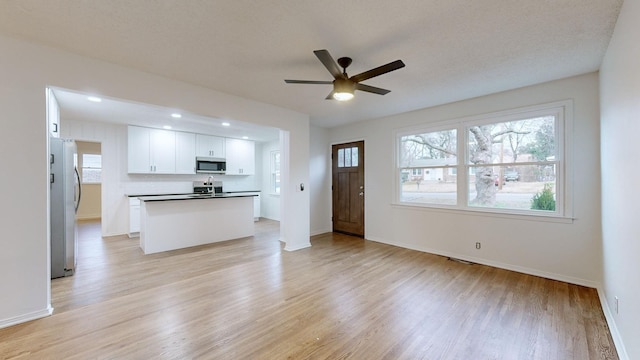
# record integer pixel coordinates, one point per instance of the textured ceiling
(453, 49)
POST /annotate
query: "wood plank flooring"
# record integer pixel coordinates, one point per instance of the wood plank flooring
(343, 298)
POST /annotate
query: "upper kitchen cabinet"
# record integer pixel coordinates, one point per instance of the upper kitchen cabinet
(241, 157)
(210, 146)
(53, 114)
(151, 151)
(185, 153)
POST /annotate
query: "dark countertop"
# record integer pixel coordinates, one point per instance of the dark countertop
(226, 192)
(192, 196)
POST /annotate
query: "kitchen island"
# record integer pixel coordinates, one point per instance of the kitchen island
(178, 221)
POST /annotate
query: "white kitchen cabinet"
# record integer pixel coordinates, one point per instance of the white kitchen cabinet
(134, 217)
(256, 207)
(151, 151)
(53, 114)
(241, 157)
(185, 153)
(210, 146)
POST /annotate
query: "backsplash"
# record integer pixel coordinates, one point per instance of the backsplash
(158, 184)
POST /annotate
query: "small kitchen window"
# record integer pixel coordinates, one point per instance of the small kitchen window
(91, 168)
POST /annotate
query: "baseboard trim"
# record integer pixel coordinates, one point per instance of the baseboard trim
(297, 247)
(320, 231)
(26, 317)
(89, 217)
(496, 264)
(611, 322)
(609, 317)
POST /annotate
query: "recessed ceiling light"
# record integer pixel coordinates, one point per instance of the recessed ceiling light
(226, 124)
(245, 137)
(176, 115)
(94, 99)
(167, 127)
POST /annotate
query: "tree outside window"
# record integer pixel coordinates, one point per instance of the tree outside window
(510, 163)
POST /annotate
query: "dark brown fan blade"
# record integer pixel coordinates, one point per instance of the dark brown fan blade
(307, 82)
(372, 89)
(395, 65)
(328, 62)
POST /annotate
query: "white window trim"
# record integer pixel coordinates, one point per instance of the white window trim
(82, 168)
(272, 184)
(564, 141)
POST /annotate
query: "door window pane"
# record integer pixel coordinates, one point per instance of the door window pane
(340, 158)
(354, 156)
(347, 157)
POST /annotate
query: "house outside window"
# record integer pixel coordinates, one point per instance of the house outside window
(507, 162)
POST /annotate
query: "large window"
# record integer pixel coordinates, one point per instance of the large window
(510, 162)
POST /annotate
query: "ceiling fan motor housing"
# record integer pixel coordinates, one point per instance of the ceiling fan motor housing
(344, 86)
(344, 63)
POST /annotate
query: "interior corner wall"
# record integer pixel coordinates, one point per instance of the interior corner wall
(320, 180)
(26, 69)
(620, 126)
(564, 251)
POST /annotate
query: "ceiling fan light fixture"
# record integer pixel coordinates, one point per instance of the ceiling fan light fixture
(343, 89)
(343, 96)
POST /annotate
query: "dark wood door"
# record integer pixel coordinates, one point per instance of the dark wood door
(348, 188)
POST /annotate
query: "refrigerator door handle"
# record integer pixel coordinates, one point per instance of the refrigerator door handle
(79, 189)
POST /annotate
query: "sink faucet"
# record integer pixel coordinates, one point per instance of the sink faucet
(210, 184)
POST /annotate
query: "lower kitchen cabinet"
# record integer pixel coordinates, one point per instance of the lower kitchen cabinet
(134, 217)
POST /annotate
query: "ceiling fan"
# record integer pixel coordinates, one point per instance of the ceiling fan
(343, 85)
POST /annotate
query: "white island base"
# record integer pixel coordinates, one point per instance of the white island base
(175, 224)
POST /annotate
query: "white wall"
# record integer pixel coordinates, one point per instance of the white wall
(320, 180)
(620, 124)
(563, 251)
(26, 70)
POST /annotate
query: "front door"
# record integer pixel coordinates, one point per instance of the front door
(348, 188)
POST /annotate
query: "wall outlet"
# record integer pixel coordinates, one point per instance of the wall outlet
(478, 245)
(616, 305)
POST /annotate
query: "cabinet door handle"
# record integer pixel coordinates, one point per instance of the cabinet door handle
(55, 127)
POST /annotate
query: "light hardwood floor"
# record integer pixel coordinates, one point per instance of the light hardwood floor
(343, 298)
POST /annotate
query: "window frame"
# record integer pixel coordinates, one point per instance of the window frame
(562, 110)
(275, 172)
(82, 167)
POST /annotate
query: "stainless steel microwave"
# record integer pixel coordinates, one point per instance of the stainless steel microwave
(209, 165)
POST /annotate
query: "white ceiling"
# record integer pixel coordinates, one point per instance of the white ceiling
(453, 49)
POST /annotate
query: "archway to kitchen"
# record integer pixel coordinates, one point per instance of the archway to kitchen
(106, 123)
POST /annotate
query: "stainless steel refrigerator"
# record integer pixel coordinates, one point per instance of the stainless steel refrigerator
(65, 194)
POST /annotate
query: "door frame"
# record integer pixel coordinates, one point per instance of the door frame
(364, 213)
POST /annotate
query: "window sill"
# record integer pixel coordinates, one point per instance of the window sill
(486, 213)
